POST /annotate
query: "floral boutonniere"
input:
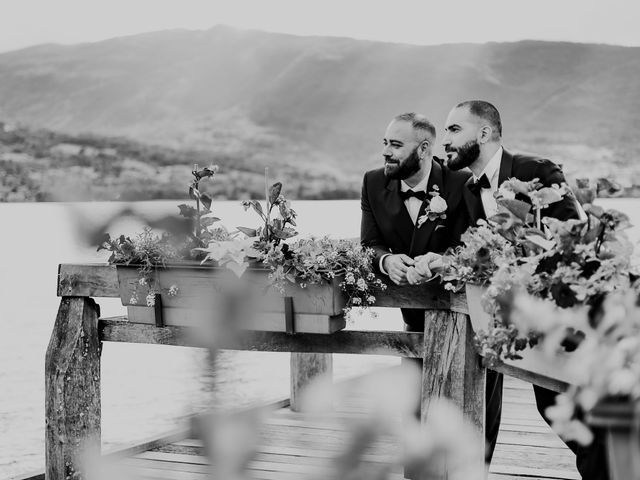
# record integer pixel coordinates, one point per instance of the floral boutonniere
(437, 208)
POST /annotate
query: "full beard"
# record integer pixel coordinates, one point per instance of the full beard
(466, 155)
(404, 168)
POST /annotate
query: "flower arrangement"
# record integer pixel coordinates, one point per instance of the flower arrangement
(437, 208)
(312, 261)
(605, 365)
(147, 250)
(475, 261)
(570, 263)
(150, 251)
(305, 261)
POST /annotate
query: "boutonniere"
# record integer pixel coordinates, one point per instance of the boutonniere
(437, 208)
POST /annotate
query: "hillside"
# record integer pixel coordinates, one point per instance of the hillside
(320, 105)
(42, 165)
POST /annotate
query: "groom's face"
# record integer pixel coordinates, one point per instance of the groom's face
(400, 152)
(460, 140)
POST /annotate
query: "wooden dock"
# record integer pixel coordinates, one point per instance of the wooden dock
(293, 445)
(290, 444)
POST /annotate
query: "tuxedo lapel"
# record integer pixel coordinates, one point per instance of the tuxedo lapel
(473, 202)
(398, 214)
(506, 167)
(422, 235)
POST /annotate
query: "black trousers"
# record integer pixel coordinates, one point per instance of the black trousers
(591, 460)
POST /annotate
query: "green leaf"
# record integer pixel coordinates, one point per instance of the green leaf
(274, 192)
(540, 241)
(257, 207)
(594, 210)
(285, 233)
(208, 221)
(249, 232)
(608, 186)
(187, 211)
(517, 207)
(206, 200)
(194, 193)
(546, 196)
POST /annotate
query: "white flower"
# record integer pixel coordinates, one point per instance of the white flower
(173, 290)
(438, 205)
(349, 278)
(133, 300)
(355, 301)
(151, 299)
(621, 382)
(142, 281)
(505, 192)
(362, 284)
(371, 299)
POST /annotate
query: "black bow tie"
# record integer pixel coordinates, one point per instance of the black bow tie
(422, 195)
(476, 187)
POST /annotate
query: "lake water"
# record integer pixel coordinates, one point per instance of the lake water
(146, 389)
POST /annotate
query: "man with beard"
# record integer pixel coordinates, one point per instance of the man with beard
(395, 196)
(473, 139)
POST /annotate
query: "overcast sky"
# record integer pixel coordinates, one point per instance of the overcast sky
(29, 22)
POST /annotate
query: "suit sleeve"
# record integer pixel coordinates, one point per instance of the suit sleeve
(549, 173)
(370, 235)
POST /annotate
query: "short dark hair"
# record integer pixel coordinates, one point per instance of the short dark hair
(485, 111)
(417, 121)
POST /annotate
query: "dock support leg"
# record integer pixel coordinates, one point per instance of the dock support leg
(453, 369)
(72, 388)
(305, 367)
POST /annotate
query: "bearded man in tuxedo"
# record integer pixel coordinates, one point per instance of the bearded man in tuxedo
(396, 195)
(473, 139)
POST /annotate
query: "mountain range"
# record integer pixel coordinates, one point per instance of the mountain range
(321, 104)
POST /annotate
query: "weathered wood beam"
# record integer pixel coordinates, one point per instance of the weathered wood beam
(86, 280)
(531, 377)
(452, 369)
(72, 388)
(466, 382)
(401, 344)
(101, 280)
(305, 368)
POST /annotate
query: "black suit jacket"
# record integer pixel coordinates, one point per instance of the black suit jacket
(526, 167)
(387, 227)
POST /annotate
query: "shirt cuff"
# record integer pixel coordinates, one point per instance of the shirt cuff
(381, 261)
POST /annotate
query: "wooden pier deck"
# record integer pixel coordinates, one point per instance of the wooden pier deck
(293, 445)
(290, 444)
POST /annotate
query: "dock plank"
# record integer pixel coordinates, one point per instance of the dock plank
(296, 445)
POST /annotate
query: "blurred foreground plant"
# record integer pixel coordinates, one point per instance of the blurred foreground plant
(605, 366)
(567, 262)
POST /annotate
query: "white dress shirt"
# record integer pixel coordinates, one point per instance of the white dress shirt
(412, 204)
(492, 171)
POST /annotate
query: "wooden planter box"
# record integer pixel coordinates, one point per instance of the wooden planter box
(621, 422)
(205, 294)
(535, 359)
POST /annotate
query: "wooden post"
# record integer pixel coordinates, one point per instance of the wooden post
(306, 367)
(452, 368)
(72, 388)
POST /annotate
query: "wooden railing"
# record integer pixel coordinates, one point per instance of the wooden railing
(451, 366)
